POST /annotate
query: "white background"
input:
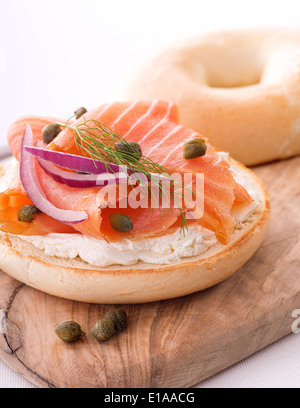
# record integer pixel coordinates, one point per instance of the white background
(56, 55)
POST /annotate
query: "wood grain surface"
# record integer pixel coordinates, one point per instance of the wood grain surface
(173, 343)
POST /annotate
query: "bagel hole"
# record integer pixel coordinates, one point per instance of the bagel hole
(226, 68)
(220, 83)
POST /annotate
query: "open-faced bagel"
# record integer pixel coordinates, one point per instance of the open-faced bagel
(240, 89)
(143, 282)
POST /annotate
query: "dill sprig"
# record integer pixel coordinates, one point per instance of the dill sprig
(97, 141)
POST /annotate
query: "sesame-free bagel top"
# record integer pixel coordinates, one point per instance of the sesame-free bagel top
(241, 89)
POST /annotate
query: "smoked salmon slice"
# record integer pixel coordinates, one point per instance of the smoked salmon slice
(11, 200)
(155, 126)
(16, 130)
(147, 221)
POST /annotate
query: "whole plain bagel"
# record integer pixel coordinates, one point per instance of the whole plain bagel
(241, 89)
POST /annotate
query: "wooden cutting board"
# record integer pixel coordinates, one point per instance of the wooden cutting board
(174, 343)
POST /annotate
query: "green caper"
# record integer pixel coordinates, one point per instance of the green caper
(50, 132)
(194, 148)
(80, 112)
(103, 329)
(119, 317)
(121, 222)
(132, 148)
(27, 213)
(69, 332)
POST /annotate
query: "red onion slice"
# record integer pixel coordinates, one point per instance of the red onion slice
(80, 180)
(100, 174)
(33, 188)
(73, 162)
(87, 165)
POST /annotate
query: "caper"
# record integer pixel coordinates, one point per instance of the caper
(103, 329)
(69, 332)
(50, 132)
(121, 222)
(133, 148)
(27, 213)
(194, 148)
(119, 317)
(80, 112)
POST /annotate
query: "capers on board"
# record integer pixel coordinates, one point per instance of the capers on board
(103, 329)
(80, 112)
(194, 148)
(50, 132)
(69, 331)
(119, 317)
(121, 222)
(27, 213)
(130, 147)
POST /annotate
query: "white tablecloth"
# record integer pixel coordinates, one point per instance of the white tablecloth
(277, 366)
(56, 55)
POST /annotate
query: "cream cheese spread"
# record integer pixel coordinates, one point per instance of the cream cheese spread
(9, 171)
(156, 250)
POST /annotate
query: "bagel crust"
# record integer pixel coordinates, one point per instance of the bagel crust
(240, 89)
(76, 280)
